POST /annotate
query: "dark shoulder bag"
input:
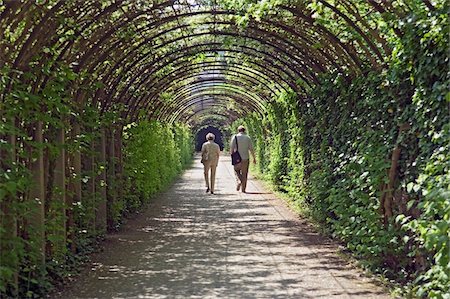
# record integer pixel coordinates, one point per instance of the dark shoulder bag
(235, 156)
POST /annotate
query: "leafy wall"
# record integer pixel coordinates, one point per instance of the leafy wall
(369, 157)
(88, 169)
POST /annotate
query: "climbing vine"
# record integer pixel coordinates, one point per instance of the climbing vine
(369, 157)
(154, 154)
(61, 180)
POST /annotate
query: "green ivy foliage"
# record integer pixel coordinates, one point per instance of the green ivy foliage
(431, 230)
(154, 154)
(22, 106)
(331, 152)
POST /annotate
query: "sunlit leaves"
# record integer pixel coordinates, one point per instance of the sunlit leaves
(147, 144)
(347, 130)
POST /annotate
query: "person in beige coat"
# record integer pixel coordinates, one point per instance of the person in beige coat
(210, 159)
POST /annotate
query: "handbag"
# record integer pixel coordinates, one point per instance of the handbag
(235, 156)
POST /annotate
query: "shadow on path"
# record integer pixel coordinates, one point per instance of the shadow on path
(189, 244)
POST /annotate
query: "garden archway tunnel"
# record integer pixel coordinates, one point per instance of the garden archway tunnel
(78, 78)
(148, 46)
(201, 137)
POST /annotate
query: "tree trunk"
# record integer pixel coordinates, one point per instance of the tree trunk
(387, 198)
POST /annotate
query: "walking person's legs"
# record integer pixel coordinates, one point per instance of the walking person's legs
(206, 167)
(245, 164)
(238, 175)
(213, 177)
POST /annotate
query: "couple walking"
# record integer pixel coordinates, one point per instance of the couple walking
(210, 158)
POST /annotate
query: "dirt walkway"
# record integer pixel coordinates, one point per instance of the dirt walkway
(189, 244)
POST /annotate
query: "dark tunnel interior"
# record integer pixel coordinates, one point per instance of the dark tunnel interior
(201, 137)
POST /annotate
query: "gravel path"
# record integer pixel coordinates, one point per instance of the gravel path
(189, 244)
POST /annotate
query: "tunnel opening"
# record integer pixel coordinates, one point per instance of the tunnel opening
(201, 137)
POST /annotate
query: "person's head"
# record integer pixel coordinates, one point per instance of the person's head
(241, 129)
(210, 136)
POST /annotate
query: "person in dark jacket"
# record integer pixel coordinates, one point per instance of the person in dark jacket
(242, 143)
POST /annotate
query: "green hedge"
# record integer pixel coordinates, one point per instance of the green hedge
(147, 159)
(154, 154)
(332, 152)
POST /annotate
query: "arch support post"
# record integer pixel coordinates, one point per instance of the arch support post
(74, 196)
(36, 197)
(59, 203)
(112, 186)
(118, 163)
(101, 204)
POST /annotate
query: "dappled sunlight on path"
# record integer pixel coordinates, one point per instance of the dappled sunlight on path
(189, 244)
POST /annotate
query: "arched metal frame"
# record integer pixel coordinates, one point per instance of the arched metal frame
(239, 95)
(209, 84)
(181, 92)
(180, 114)
(144, 41)
(148, 76)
